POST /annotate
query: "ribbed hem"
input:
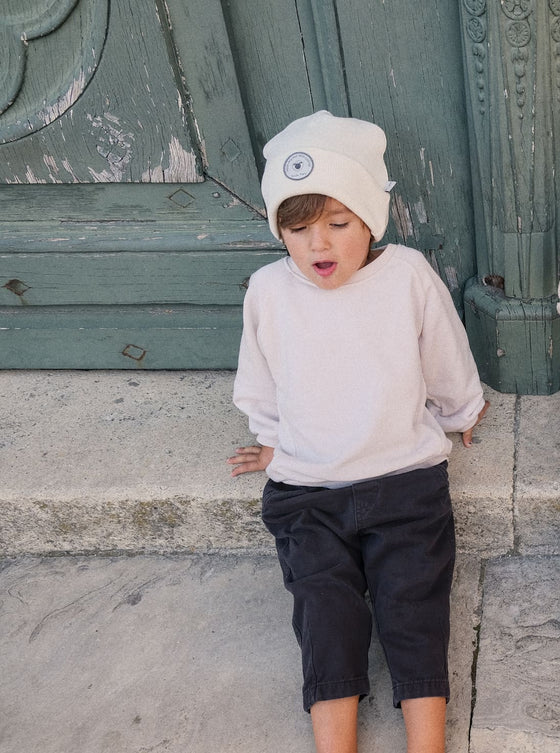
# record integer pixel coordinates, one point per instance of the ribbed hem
(420, 689)
(328, 691)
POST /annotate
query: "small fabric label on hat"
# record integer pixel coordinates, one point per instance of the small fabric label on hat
(298, 166)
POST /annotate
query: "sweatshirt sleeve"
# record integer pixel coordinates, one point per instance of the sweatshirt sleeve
(254, 390)
(454, 391)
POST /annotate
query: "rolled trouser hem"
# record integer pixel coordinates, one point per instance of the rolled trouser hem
(329, 691)
(420, 689)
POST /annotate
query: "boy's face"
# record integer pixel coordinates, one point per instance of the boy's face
(331, 247)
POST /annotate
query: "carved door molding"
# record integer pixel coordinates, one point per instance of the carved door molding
(33, 34)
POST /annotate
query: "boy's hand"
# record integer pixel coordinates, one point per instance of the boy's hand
(250, 459)
(467, 435)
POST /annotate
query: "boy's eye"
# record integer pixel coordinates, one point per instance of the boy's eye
(297, 229)
(340, 224)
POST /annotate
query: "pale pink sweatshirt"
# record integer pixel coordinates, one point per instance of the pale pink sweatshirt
(357, 382)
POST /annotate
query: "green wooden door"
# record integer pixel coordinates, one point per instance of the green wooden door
(130, 148)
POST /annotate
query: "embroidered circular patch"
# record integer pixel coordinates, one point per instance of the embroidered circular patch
(298, 166)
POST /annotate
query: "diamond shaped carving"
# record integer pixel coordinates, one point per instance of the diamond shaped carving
(182, 198)
(231, 150)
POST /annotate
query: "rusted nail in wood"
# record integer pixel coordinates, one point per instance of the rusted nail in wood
(17, 287)
(494, 281)
(134, 352)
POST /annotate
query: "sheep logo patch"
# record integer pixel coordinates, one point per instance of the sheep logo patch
(298, 166)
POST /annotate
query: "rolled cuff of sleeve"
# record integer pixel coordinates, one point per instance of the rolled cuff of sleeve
(460, 421)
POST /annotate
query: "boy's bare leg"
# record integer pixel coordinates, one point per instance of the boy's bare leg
(335, 725)
(424, 719)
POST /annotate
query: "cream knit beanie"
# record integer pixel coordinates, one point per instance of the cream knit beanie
(338, 157)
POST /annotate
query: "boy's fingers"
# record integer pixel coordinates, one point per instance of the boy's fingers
(245, 454)
(484, 411)
(247, 467)
(253, 450)
(248, 459)
(467, 435)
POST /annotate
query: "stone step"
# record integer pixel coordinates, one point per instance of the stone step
(196, 653)
(180, 653)
(134, 461)
(517, 689)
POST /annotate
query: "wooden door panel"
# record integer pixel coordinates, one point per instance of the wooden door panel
(98, 102)
(56, 279)
(120, 337)
(131, 136)
(121, 130)
(404, 71)
(269, 55)
(198, 37)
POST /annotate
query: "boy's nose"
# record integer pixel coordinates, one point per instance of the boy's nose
(319, 240)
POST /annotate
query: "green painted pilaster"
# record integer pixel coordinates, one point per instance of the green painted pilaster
(512, 59)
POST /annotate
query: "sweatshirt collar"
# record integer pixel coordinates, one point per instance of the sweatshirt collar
(365, 273)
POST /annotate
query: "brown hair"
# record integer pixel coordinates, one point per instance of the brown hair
(298, 209)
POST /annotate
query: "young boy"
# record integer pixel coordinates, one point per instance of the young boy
(353, 365)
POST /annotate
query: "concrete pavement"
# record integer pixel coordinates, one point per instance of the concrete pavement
(168, 627)
(517, 687)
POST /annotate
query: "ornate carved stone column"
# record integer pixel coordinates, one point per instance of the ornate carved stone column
(512, 65)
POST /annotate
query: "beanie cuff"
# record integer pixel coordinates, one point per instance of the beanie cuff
(335, 175)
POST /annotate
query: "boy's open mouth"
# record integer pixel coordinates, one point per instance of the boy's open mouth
(325, 268)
